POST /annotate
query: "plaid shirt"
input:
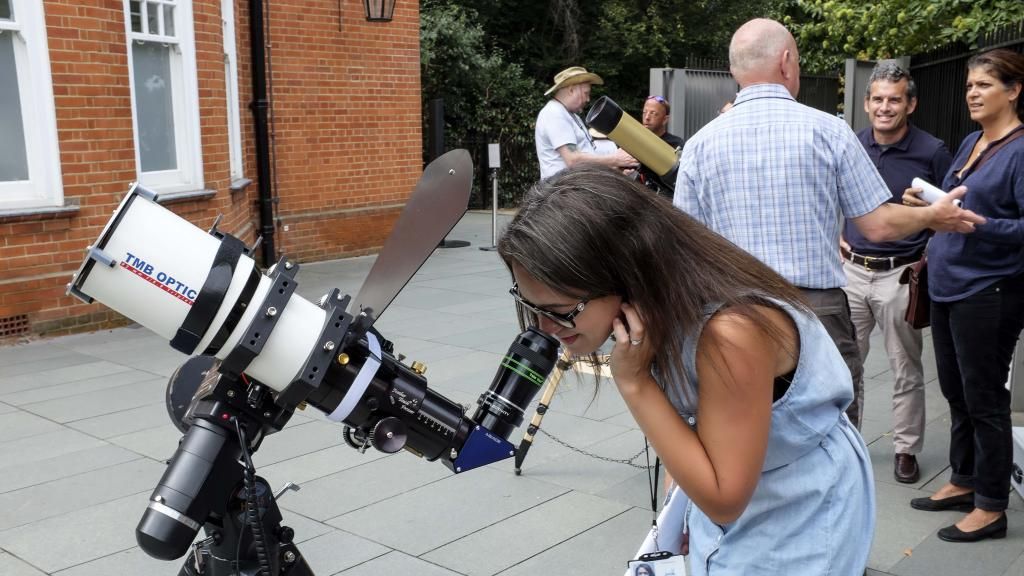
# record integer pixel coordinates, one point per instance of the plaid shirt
(777, 178)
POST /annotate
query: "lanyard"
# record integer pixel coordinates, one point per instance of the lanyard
(576, 120)
(652, 482)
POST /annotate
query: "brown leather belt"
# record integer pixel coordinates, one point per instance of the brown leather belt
(879, 263)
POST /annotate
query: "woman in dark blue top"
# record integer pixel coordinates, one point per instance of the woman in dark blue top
(976, 282)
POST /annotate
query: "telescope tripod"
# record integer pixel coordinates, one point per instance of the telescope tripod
(564, 363)
(232, 547)
(243, 531)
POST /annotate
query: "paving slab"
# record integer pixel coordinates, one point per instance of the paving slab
(106, 401)
(505, 544)
(603, 549)
(77, 537)
(131, 561)
(308, 467)
(338, 550)
(40, 447)
(124, 421)
(359, 486)
(63, 466)
(29, 353)
(58, 497)
(158, 443)
(431, 516)
(12, 566)
(19, 424)
(397, 563)
(297, 439)
(78, 387)
(54, 371)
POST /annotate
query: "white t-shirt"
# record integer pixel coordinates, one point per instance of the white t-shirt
(556, 127)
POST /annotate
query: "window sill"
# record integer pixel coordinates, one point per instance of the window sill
(240, 184)
(68, 210)
(175, 197)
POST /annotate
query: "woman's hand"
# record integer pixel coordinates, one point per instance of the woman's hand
(912, 197)
(632, 355)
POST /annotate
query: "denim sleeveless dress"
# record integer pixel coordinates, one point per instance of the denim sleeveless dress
(813, 511)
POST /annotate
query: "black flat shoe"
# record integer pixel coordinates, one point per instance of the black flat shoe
(994, 530)
(963, 503)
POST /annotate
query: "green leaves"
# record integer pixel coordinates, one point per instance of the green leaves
(829, 31)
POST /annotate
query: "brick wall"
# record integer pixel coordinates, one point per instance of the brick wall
(347, 144)
(346, 97)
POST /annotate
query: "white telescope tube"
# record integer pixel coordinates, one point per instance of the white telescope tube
(150, 265)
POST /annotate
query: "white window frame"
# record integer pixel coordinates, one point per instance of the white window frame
(44, 187)
(185, 98)
(227, 14)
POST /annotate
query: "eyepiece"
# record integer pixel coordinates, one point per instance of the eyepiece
(522, 372)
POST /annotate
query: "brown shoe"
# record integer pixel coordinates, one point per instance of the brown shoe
(907, 470)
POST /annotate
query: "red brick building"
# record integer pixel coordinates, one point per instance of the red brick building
(111, 92)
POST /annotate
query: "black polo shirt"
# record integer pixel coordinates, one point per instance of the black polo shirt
(917, 155)
(672, 140)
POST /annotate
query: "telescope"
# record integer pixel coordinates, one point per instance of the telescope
(260, 352)
(659, 161)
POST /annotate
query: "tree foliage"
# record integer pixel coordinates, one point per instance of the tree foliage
(483, 92)
(618, 39)
(830, 31)
(487, 97)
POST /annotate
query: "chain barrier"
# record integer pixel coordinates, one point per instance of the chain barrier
(627, 461)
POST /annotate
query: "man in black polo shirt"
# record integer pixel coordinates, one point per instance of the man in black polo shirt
(901, 152)
(655, 118)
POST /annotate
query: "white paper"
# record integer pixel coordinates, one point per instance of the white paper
(929, 193)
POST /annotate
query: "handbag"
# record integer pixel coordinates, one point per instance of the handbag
(918, 312)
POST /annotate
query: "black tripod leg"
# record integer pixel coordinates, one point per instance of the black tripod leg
(561, 366)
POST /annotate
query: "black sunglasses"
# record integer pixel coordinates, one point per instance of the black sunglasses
(564, 320)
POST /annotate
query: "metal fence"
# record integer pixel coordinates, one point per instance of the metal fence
(941, 76)
(697, 95)
(519, 168)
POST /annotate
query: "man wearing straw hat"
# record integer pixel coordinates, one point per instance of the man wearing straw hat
(561, 136)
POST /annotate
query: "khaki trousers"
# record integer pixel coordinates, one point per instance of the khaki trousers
(877, 297)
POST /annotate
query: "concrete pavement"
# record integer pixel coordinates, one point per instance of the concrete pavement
(84, 433)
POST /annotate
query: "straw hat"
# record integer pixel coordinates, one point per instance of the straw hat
(574, 75)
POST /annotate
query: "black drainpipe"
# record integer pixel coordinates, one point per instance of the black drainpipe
(259, 107)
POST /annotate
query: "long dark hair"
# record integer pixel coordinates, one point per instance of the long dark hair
(589, 231)
(1007, 66)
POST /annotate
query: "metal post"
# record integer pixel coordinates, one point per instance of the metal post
(494, 162)
(494, 208)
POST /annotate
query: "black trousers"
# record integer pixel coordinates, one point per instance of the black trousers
(974, 340)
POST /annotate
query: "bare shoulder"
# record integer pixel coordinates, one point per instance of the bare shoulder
(773, 334)
(736, 325)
